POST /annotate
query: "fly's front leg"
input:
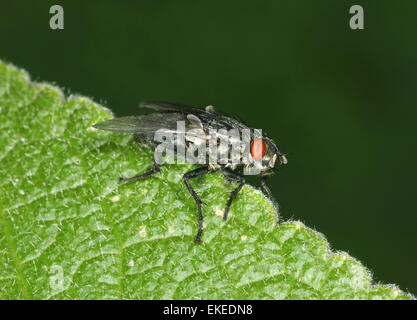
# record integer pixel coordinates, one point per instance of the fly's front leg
(234, 193)
(155, 169)
(271, 197)
(192, 174)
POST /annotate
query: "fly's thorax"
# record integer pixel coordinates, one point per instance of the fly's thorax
(225, 147)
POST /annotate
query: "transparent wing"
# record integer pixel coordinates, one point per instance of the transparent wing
(145, 124)
(166, 106)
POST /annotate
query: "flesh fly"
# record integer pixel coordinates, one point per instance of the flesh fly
(264, 155)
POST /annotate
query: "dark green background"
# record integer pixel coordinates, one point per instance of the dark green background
(342, 104)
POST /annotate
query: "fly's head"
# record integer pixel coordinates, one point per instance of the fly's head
(266, 155)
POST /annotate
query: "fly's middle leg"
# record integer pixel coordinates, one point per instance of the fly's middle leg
(234, 193)
(271, 197)
(155, 169)
(193, 174)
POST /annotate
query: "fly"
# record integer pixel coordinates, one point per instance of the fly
(263, 151)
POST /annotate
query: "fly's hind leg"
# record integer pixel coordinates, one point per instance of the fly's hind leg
(234, 193)
(193, 174)
(155, 169)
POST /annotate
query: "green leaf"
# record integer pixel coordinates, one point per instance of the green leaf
(68, 230)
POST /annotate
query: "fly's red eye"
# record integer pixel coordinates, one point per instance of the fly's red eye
(258, 149)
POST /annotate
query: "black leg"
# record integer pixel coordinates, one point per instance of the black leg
(234, 193)
(155, 169)
(189, 175)
(271, 197)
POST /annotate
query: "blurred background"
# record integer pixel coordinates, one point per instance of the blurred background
(341, 103)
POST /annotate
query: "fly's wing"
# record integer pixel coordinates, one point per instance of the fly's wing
(166, 106)
(145, 125)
